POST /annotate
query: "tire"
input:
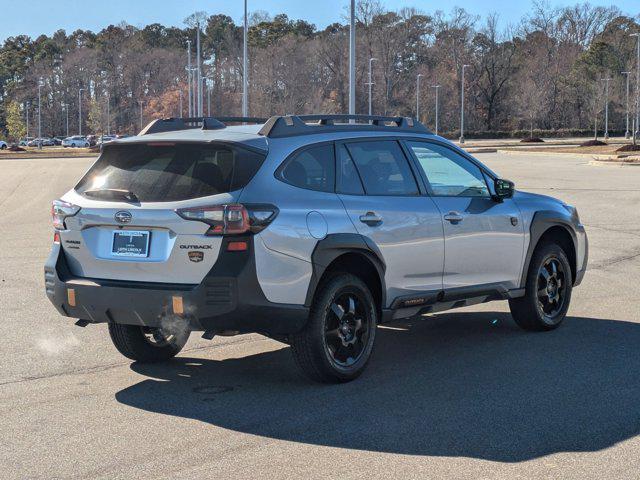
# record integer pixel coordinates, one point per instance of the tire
(337, 342)
(133, 342)
(548, 294)
(4, 147)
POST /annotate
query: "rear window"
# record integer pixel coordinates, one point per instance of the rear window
(170, 172)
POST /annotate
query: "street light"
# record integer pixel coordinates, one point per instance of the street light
(626, 133)
(140, 102)
(462, 105)
(39, 114)
(370, 84)
(80, 111)
(437, 87)
(180, 94)
(198, 71)
(352, 60)
(245, 64)
(27, 119)
(418, 96)
(65, 107)
(606, 107)
(188, 69)
(108, 114)
(637, 121)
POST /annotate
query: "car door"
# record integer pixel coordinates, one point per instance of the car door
(484, 238)
(381, 195)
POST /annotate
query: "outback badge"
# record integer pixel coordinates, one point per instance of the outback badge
(196, 256)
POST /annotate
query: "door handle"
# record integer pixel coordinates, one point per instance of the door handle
(371, 219)
(453, 217)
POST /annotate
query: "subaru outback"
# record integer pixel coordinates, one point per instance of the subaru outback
(311, 230)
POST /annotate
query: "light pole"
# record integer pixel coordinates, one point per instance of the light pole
(39, 114)
(208, 97)
(189, 74)
(180, 94)
(352, 60)
(370, 84)
(80, 111)
(245, 64)
(65, 106)
(637, 116)
(418, 96)
(27, 119)
(627, 135)
(437, 87)
(606, 107)
(108, 115)
(464, 67)
(198, 71)
(140, 102)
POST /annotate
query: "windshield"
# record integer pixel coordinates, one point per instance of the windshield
(170, 172)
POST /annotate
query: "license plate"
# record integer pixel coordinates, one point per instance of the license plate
(130, 243)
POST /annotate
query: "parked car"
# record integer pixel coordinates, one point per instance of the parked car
(105, 139)
(75, 141)
(24, 142)
(92, 139)
(310, 230)
(58, 140)
(41, 141)
(3, 145)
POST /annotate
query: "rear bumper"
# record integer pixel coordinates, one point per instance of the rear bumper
(229, 298)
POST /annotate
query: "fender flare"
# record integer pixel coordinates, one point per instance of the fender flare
(337, 244)
(542, 221)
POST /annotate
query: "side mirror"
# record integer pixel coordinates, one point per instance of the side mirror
(504, 188)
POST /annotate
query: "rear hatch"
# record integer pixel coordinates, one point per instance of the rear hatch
(127, 227)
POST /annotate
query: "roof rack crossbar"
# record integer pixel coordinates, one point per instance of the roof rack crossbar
(187, 123)
(292, 125)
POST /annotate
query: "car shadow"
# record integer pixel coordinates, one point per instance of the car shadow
(457, 384)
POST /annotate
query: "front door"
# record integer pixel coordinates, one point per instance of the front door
(484, 238)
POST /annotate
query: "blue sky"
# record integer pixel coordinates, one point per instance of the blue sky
(33, 17)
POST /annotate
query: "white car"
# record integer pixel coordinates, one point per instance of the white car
(3, 145)
(75, 141)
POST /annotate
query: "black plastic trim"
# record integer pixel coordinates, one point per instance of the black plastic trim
(228, 298)
(542, 221)
(335, 245)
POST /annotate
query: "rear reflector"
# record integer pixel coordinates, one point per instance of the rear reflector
(237, 246)
(178, 307)
(71, 297)
(56, 237)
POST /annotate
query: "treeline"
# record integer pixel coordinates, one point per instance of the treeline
(543, 73)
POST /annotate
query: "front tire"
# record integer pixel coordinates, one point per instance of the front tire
(337, 342)
(146, 344)
(548, 290)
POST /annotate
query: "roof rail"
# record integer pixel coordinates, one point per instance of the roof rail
(292, 125)
(205, 123)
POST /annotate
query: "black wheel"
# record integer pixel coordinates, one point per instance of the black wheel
(338, 340)
(3, 147)
(146, 344)
(548, 290)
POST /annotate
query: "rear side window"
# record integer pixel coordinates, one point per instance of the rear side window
(383, 168)
(349, 182)
(313, 169)
(170, 172)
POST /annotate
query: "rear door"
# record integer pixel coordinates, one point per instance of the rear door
(382, 197)
(484, 238)
(127, 228)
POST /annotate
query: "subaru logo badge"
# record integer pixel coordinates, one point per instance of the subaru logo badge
(123, 217)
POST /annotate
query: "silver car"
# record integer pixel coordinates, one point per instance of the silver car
(311, 230)
(76, 141)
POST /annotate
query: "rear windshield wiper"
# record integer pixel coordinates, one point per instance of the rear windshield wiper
(112, 194)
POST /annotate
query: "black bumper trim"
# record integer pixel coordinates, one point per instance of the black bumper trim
(229, 298)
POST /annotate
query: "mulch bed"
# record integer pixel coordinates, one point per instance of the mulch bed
(532, 140)
(593, 143)
(629, 148)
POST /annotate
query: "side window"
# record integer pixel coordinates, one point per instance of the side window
(383, 168)
(449, 174)
(349, 182)
(313, 168)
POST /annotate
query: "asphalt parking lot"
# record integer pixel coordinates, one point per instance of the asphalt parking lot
(464, 394)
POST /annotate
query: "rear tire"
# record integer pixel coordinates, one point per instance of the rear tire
(147, 345)
(337, 342)
(548, 290)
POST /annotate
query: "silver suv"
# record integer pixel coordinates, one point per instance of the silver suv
(311, 230)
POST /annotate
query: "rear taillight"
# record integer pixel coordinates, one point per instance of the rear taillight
(231, 219)
(61, 210)
(56, 237)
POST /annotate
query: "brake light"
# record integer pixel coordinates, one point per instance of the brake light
(231, 219)
(61, 210)
(56, 237)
